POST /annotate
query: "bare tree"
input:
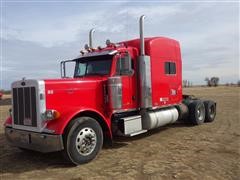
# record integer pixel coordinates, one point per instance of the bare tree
(213, 81)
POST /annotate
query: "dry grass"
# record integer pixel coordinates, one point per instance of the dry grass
(209, 151)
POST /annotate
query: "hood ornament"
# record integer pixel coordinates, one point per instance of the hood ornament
(23, 83)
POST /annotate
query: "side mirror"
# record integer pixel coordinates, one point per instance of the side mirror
(126, 65)
(67, 70)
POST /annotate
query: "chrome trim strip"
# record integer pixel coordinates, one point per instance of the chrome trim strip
(113, 52)
(163, 106)
(42, 104)
(124, 110)
(92, 54)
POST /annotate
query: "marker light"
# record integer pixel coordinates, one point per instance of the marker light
(51, 114)
(108, 42)
(82, 52)
(86, 47)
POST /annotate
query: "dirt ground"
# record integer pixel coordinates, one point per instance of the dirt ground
(209, 151)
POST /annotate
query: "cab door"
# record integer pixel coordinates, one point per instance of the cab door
(126, 70)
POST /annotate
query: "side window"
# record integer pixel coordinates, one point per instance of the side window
(167, 68)
(170, 68)
(81, 69)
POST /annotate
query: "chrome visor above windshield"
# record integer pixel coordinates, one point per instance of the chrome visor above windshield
(102, 53)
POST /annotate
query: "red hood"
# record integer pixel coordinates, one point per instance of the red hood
(68, 94)
(71, 95)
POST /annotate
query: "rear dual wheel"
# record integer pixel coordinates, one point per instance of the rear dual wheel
(196, 112)
(201, 111)
(83, 140)
(210, 111)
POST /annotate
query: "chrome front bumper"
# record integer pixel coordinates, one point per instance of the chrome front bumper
(41, 142)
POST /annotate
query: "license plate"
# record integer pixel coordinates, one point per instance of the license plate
(24, 138)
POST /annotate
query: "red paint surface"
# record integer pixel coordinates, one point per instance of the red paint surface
(74, 95)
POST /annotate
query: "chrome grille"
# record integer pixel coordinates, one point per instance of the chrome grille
(24, 106)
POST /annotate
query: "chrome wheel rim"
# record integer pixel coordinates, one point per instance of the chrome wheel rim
(200, 113)
(212, 111)
(86, 141)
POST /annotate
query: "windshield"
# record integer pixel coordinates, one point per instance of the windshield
(100, 65)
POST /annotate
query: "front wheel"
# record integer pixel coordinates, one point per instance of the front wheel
(83, 141)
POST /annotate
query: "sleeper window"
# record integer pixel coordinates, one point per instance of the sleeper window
(170, 68)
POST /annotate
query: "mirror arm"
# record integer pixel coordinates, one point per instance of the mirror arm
(63, 68)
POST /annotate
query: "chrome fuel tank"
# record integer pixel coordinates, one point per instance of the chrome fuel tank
(156, 118)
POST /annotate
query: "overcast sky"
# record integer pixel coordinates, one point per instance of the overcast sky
(37, 35)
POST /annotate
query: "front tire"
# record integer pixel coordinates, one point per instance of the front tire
(83, 140)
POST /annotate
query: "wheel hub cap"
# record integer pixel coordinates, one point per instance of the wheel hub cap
(86, 141)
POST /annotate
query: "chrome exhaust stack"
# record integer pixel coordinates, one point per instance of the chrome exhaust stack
(91, 38)
(145, 80)
(141, 33)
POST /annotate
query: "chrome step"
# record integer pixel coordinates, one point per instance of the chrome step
(137, 133)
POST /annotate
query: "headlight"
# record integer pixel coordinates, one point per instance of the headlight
(51, 114)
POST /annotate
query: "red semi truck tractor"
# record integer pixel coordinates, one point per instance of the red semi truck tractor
(123, 89)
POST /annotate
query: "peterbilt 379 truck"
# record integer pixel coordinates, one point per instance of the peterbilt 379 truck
(123, 89)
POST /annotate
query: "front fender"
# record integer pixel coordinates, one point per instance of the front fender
(58, 125)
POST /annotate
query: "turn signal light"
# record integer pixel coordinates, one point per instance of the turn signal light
(51, 114)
